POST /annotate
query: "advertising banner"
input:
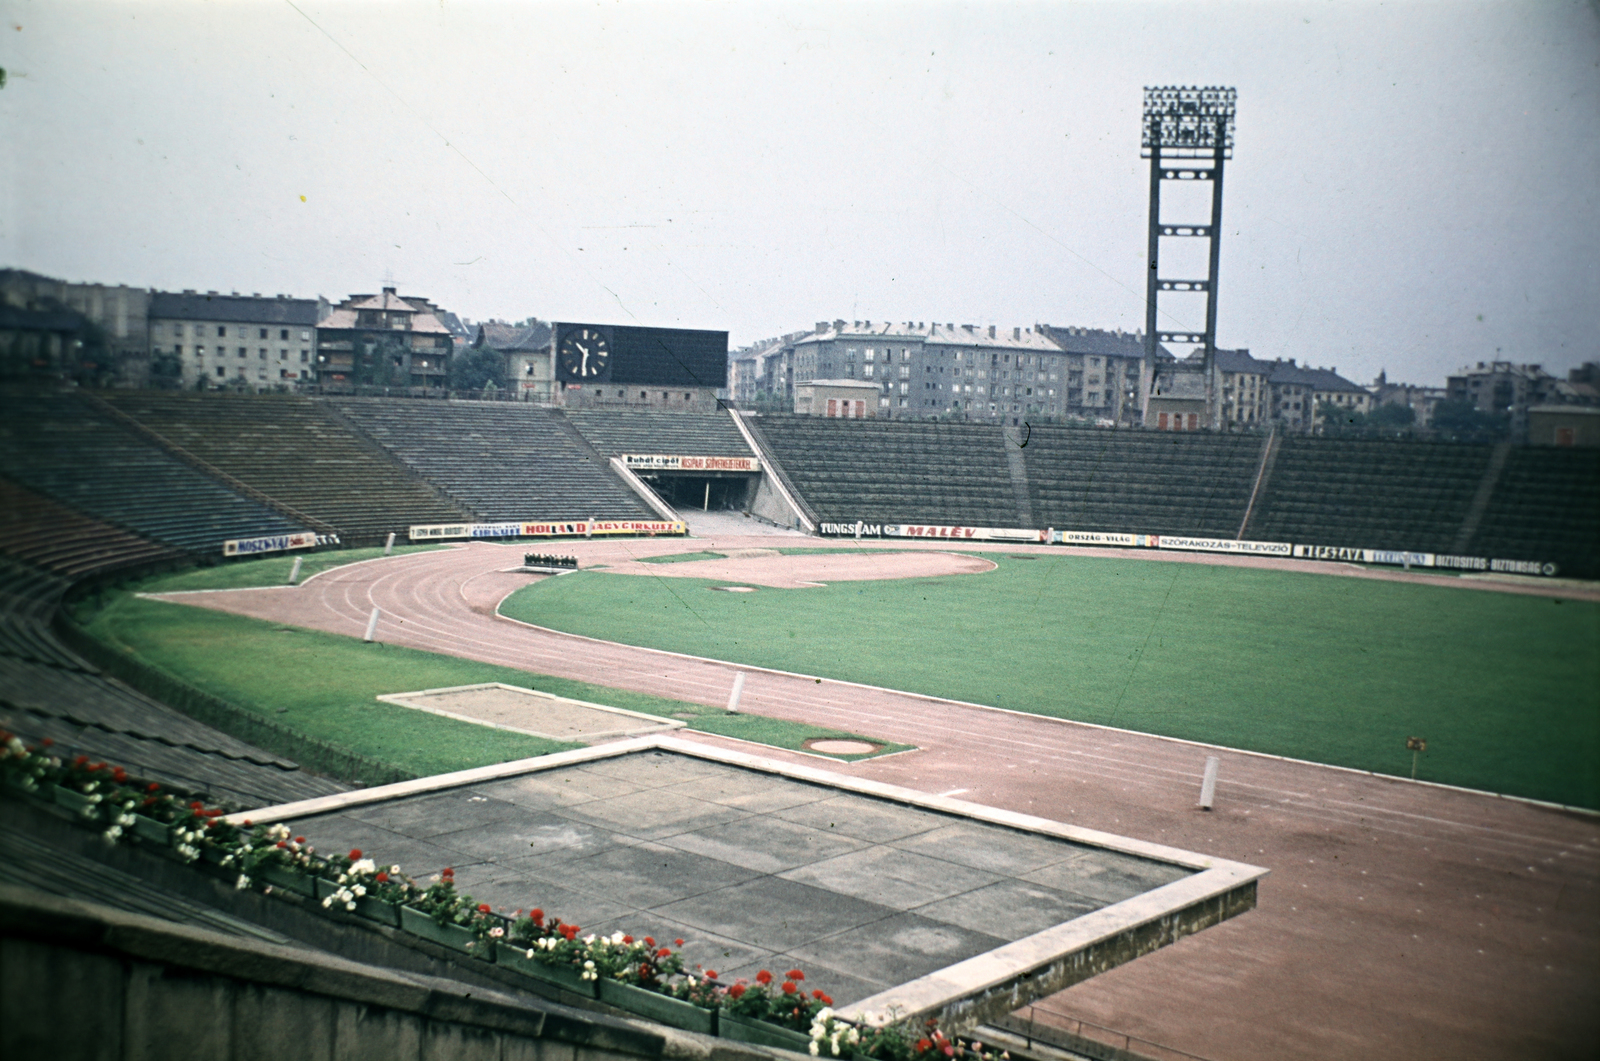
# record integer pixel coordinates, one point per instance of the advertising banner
(1151, 541)
(858, 529)
(579, 528)
(1523, 567)
(680, 463)
(271, 543)
(1463, 563)
(1224, 545)
(1351, 554)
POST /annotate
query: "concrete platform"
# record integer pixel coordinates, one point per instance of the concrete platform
(896, 903)
(522, 710)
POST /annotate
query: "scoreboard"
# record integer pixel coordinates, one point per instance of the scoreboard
(667, 357)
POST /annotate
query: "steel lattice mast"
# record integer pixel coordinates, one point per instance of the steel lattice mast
(1194, 125)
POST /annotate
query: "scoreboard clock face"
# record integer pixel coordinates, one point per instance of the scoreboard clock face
(584, 355)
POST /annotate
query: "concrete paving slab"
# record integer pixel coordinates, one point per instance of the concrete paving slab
(765, 844)
(1009, 908)
(643, 876)
(775, 914)
(536, 834)
(1002, 851)
(891, 877)
(654, 814)
(1105, 876)
(897, 948)
(654, 769)
(571, 787)
(875, 821)
(758, 793)
(446, 812)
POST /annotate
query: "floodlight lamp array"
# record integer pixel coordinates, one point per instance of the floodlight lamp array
(1184, 121)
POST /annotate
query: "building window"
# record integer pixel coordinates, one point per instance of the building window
(866, 370)
(304, 354)
(242, 352)
(263, 353)
(221, 371)
(221, 332)
(283, 334)
(304, 335)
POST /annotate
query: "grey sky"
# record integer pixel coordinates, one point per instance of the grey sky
(1414, 186)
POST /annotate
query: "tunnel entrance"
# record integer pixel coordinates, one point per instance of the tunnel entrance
(712, 493)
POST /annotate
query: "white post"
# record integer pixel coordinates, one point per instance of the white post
(372, 626)
(1208, 785)
(388, 546)
(738, 688)
(294, 572)
(705, 506)
(588, 528)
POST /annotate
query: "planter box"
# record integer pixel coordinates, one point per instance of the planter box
(368, 907)
(750, 1030)
(152, 831)
(76, 802)
(658, 1007)
(287, 880)
(453, 936)
(563, 976)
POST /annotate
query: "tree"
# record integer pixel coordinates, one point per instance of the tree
(476, 368)
(1462, 421)
(166, 370)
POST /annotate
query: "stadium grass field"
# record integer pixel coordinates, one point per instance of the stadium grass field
(1504, 687)
(325, 686)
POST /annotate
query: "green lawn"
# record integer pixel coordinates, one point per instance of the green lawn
(324, 686)
(267, 571)
(1505, 688)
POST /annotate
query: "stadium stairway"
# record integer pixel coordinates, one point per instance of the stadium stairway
(295, 452)
(501, 460)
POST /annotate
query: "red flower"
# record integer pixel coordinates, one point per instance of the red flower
(152, 787)
(924, 1044)
(283, 843)
(355, 854)
(789, 988)
(448, 873)
(147, 801)
(536, 916)
(649, 941)
(711, 974)
(763, 977)
(80, 760)
(299, 839)
(97, 766)
(677, 943)
(382, 877)
(483, 908)
(248, 823)
(736, 992)
(627, 939)
(795, 974)
(47, 742)
(663, 952)
(119, 775)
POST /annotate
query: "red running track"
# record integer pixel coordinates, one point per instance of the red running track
(1400, 921)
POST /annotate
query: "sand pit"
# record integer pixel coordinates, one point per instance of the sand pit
(768, 567)
(522, 710)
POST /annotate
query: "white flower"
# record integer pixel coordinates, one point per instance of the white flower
(616, 938)
(588, 941)
(112, 833)
(394, 869)
(497, 932)
(529, 955)
(360, 891)
(813, 1048)
(242, 883)
(16, 746)
(366, 866)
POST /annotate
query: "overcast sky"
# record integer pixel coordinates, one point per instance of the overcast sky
(1414, 187)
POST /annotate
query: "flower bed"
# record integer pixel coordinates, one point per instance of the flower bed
(638, 975)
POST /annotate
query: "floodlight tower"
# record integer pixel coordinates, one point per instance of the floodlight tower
(1194, 125)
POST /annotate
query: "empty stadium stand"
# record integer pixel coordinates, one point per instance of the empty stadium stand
(1142, 482)
(1374, 494)
(296, 451)
(54, 537)
(615, 432)
(1545, 507)
(501, 460)
(895, 471)
(53, 443)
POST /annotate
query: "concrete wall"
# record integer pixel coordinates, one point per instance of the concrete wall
(80, 980)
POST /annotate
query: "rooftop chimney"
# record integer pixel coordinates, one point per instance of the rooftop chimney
(838, 326)
(1016, 333)
(822, 326)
